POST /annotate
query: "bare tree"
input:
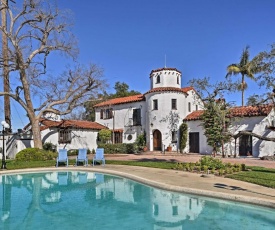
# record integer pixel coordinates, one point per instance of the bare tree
(35, 29)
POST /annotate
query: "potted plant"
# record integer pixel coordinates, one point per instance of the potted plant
(169, 148)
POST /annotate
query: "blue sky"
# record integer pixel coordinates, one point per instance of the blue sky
(200, 38)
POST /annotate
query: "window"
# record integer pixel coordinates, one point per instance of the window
(136, 117)
(189, 106)
(158, 79)
(64, 136)
(174, 103)
(106, 113)
(174, 136)
(155, 104)
(118, 137)
(196, 107)
(178, 81)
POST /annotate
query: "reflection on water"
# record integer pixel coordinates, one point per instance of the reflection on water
(78, 200)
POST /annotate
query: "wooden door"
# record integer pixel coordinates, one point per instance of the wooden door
(157, 140)
(194, 142)
(245, 145)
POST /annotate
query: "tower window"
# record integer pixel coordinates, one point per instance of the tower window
(174, 104)
(158, 79)
(189, 106)
(178, 80)
(155, 104)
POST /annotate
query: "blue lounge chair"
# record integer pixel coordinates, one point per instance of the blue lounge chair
(82, 157)
(62, 157)
(99, 156)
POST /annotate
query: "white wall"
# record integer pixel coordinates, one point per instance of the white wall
(257, 125)
(123, 119)
(196, 126)
(168, 78)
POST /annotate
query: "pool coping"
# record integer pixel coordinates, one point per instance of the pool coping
(120, 171)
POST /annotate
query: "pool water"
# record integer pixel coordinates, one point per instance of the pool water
(84, 200)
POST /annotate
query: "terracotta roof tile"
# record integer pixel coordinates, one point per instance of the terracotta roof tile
(157, 70)
(165, 89)
(194, 116)
(241, 111)
(121, 100)
(71, 123)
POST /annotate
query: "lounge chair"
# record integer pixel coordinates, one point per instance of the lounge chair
(82, 157)
(62, 157)
(99, 156)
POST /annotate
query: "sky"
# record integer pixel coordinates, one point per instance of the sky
(200, 38)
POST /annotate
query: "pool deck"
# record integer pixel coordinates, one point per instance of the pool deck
(180, 181)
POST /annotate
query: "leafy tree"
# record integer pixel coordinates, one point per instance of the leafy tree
(183, 136)
(122, 90)
(215, 122)
(104, 135)
(214, 119)
(246, 68)
(36, 29)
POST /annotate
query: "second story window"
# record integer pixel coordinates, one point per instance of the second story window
(106, 113)
(155, 104)
(137, 117)
(174, 104)
(189, 106)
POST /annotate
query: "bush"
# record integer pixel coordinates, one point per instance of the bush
(119, 148)
(35, 154)
(49, 146)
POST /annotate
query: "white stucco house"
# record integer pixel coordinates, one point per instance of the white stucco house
(158, 112)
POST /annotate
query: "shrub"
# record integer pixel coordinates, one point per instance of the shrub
(49, 146)
(35, 154)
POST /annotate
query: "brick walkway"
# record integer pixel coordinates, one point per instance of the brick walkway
(177, 157)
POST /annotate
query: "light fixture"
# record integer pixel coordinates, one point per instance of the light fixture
(5, 126)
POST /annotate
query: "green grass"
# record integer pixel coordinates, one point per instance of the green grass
(256, 175)
(151, 164)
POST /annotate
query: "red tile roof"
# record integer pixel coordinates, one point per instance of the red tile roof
(157, 70)
(122, 100)
(140, 97)
(71, 123)
(241, 111)
(174, 89)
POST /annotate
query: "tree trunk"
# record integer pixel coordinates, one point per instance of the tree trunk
(242, 89)
(36, 134)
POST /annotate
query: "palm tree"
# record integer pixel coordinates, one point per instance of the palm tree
(246, 68)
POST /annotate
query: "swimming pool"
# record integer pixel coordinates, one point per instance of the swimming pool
(86, 200)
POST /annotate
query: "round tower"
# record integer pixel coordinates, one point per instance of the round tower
(165, 77)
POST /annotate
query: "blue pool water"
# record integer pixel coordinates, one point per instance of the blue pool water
(84, 200)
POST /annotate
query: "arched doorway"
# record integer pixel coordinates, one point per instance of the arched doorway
(157, 140)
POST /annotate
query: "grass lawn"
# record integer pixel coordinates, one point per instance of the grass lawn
(255, 175)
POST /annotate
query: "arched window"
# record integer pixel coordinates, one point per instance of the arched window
(158, 79)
